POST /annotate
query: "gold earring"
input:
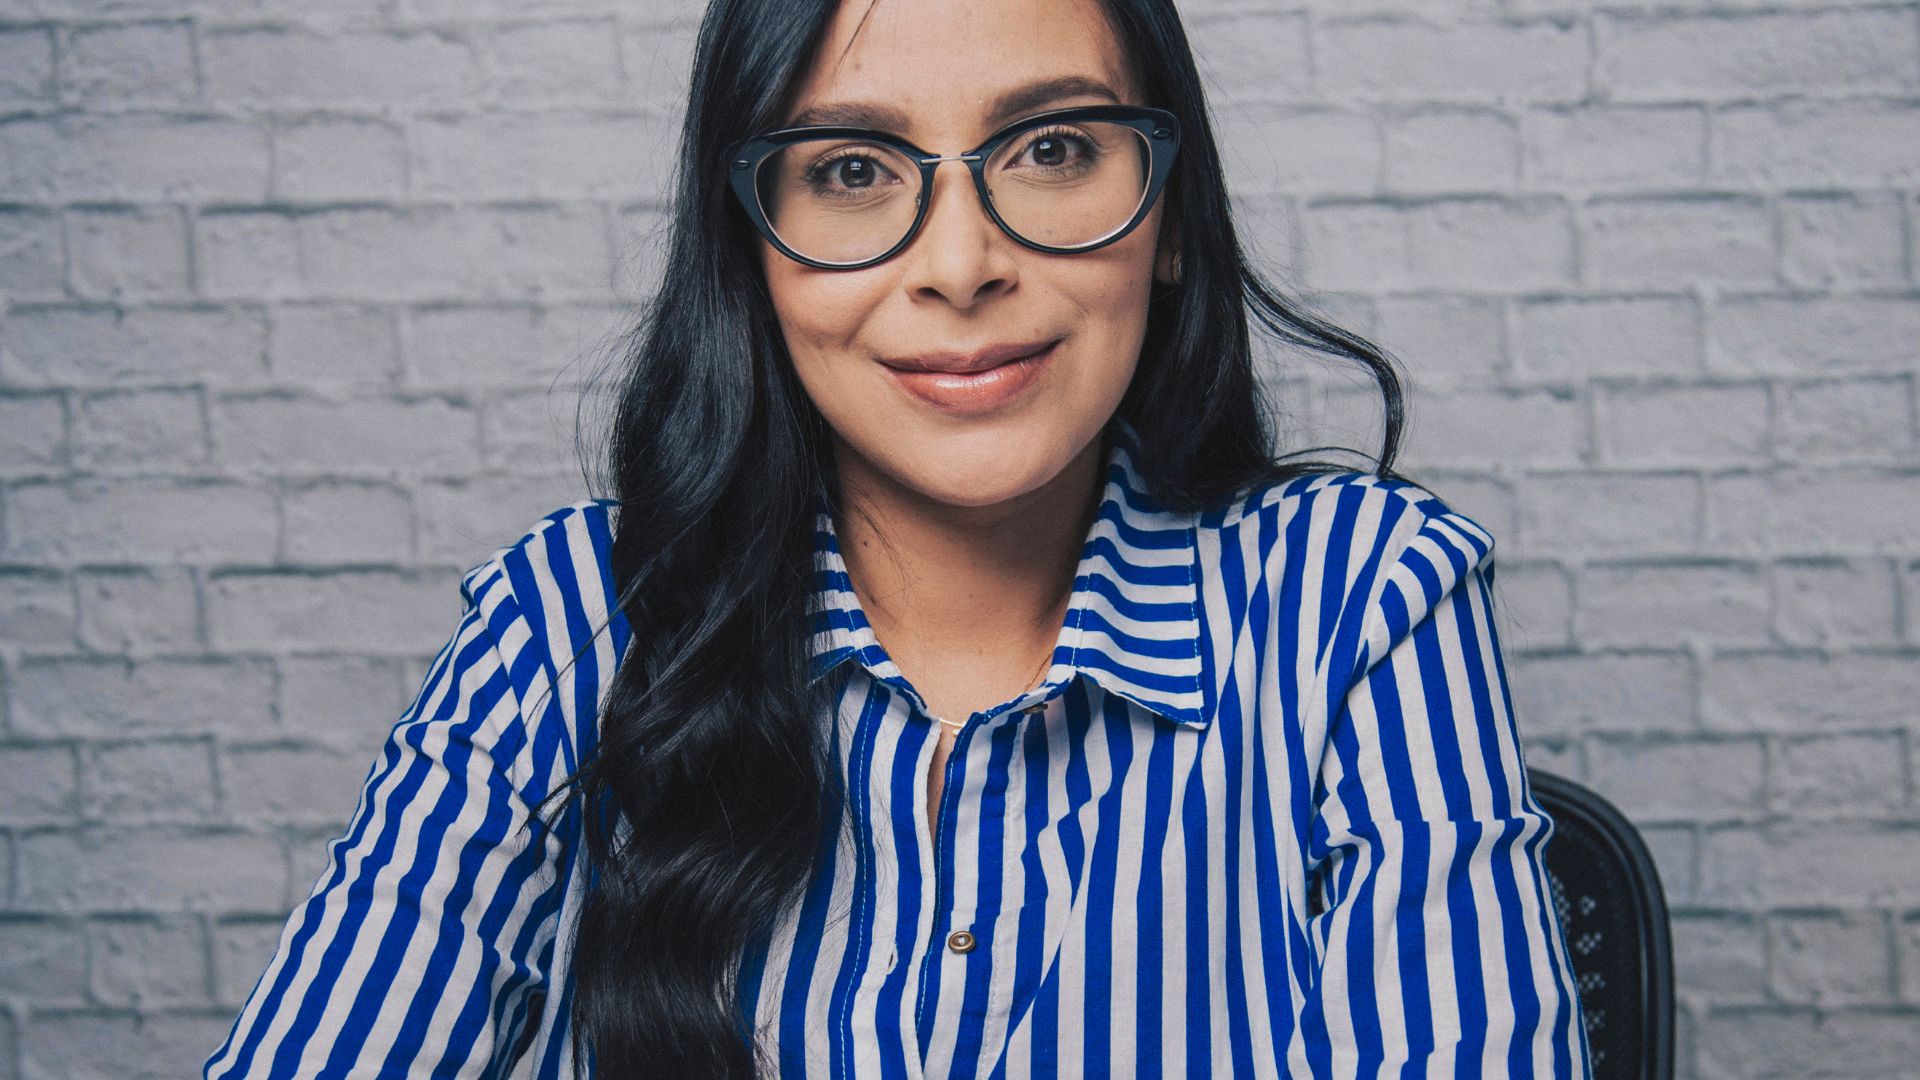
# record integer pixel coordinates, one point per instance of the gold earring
(1176, 268)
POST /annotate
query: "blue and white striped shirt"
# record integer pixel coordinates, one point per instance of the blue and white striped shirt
(1266, 815)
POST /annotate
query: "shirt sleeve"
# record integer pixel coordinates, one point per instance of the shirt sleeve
(1437, 951)
(421, 949)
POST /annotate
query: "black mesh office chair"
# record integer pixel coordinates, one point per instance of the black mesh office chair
(1607, 894)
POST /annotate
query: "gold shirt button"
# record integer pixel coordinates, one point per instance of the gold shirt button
(960, 941)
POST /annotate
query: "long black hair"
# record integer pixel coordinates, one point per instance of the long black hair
(710, 788)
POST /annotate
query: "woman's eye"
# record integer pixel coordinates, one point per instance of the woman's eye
(850, 172)
(1056, 149)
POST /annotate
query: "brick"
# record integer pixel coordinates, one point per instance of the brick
(116, 253)
(155, 869)
(138, 611)
(463, 346)
(26, 66)
(1780, 1044)
(1837, 604)
(362, 611)
(349, 702)
(1675, 859)
(1672, 605)
(434, 254)
(1444, 341)
(1278, 149)
(1859, 419)
(1579, 337)
(129, 62)
(32, 258)
(149, 781)
(1690, 779)
(33, 434)
(139, 963)
(95, 1045)
(1526, 429)
(1452, 150)
(1576, 693)
(532, 433)
(336, 158)
(1810, 864)
(561, 60)
(463, 521)
(1495, 245)
(241, 952)
(1682, 426)
(131, 156)
(1841, 240)
(1839, 773)
(64, 346)
(140, 521)
(541, 156)
(1254, 54)
(141, 431)
(1815, 513)
(1535, 603)
(1755, 53)
(300, 784)
(36, 610)
(1830, 958)
(1569, 513)
(1907, 940)
(422, 254)
(1910, 600)
(248, 253)
(1614, 147)
(1671, 242)
(325, 344)
(371, 436)
(332, 524)
(1719, 958)
(1798, 693)
(1810, 143)
(41, 784)
(42, 959)
(1472, 59)
(117, 698)
(274, 66)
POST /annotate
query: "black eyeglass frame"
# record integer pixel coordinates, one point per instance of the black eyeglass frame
(1160, 128)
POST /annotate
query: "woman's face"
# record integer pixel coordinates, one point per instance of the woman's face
(962, 285)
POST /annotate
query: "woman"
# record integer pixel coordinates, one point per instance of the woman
(956, 687)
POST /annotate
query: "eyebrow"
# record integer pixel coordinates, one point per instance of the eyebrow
(1019, 99)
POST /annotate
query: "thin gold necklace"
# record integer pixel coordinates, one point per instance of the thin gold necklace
(1045, 663)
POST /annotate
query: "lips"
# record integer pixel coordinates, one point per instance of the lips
(975, 383)
(968, 363)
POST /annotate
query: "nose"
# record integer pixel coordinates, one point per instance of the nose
(960, 255)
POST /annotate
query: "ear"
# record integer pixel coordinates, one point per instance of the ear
(1163, 255)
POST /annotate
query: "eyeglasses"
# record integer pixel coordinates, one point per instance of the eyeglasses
(1063, 182)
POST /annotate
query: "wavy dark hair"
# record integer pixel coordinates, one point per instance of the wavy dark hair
(711, 788)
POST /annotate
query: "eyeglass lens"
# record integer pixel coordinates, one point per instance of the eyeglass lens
(843, 200)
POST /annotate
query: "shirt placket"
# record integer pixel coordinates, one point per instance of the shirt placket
(958, 982)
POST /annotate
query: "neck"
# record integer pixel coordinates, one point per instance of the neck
(985, 582)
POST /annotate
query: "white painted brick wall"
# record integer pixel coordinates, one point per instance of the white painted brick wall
(295, 299)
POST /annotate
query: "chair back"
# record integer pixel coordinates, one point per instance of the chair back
(1607, 895)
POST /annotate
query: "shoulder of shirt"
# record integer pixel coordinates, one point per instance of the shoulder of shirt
(1392, 501)
(565, 523)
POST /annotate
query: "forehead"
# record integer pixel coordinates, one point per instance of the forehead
(945, 69)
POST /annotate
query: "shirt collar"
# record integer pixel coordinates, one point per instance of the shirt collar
(1132, 625)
